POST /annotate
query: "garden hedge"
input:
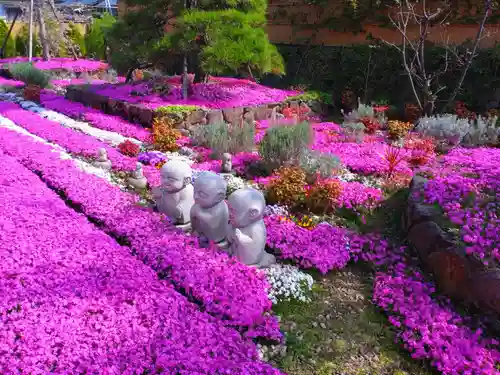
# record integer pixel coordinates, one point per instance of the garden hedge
(333, 68)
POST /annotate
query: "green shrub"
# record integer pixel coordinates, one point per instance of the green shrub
(222, 138)
(77, 38)
(95, 39)
(313, 96)
(315, 162)
(176, 110)
(10, 47)
(285, 144)
(22, 43)
(30, 75)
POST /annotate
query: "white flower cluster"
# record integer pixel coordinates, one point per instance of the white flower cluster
(347, 176)
(234, 183)
(287, 283)
(274, 209)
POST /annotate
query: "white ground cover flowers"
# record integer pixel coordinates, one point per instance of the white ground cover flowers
(287, 283)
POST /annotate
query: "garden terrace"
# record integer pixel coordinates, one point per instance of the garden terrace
(340, 200)
(221, 99)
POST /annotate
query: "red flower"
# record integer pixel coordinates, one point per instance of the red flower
(380, 108)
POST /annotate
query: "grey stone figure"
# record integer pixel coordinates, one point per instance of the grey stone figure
(102, 159)
(137, 179)
(210, 215)
(175, 196)
(247, 231)
(227, 163)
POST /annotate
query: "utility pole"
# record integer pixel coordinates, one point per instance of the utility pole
(30, 52)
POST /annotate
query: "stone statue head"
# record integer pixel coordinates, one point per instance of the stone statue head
(226, 157)
(246, 206)
(102, 154)
(209, 189)
(175, 175)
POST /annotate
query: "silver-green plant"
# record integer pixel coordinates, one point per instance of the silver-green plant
(315, 162)
(483, 131)
(30, 75)
(355, 130)
(221, 138)
(362, 111)
(285, 144)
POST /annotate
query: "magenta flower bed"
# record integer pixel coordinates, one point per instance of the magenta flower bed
(216, 94)
(226, 288)
(60, 63)
(73, 141)
(431, 329)
(74, 301)
(10, 82)
(466, 185)
(94, 117)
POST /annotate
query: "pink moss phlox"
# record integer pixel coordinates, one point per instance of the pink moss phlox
(10, 82)
(74, 301)
(466, 185)
(94, 117)
(214, 94)
(430, 328)
(60, 63)
(224, 286)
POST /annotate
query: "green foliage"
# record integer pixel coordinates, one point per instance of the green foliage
(22, 43)
(10, 47)
(95, 39)
(222, 138)
(387, 80)
(30, 75)
(77, 38)
(227, 41)
(313, 96)
(315, 162)
(285, 144)
(176, 109)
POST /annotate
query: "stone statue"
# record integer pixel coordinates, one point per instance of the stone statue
(137, 180)
(246, 231)
(227, 163)
(102, 159)
(210, 215)
(175, 196)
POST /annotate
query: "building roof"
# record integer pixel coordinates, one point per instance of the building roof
(96, 3)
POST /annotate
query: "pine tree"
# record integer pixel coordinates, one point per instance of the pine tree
(218, 36)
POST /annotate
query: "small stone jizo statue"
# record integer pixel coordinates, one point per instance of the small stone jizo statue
(210, 215)
(227, 163)
(137, 179)
(175, 196)
(247, 232)
(102, 159)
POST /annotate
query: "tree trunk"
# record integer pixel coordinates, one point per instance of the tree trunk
(185, 79)
(43, 31)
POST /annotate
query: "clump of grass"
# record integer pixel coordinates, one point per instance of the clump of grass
(30, 75)
(226, 138)
(284, 145)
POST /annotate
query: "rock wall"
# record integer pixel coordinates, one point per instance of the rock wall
(143, 115)
(457, 274)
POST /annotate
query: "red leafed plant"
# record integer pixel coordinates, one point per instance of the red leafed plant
(129, 148)
(393, 156)
(371, 125)
(419, 157)
(414, 142)
(463, 112)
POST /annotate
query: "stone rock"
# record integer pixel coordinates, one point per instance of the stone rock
(233, 115)
(195, 117)
(145, 115)
(419, 213)
(417, 183)
(485, 288)
(451, 271)
(424, 237)
(215, 116)
(248, 115)
(262, 112)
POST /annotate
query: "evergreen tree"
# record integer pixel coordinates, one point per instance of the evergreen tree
(22, 42)
(219, 36)
(95, 39)
(10, 47)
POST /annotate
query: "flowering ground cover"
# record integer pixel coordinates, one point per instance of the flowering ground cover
(60, 63)
(95, 117)
(224, 287)
(74, 301)
(465, 184)
(215, 94)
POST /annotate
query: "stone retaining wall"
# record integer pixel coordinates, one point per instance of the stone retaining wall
(457, 274)
(143, 115)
